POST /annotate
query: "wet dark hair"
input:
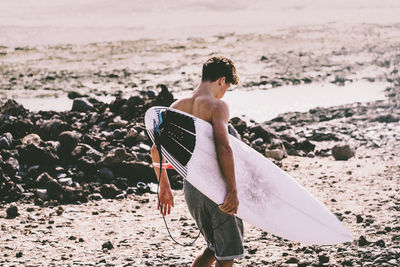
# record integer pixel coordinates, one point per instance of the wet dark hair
(217, 67)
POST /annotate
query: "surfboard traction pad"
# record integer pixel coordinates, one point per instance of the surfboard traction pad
(179, 141)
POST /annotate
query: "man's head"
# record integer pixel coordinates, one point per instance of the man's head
(217, 67)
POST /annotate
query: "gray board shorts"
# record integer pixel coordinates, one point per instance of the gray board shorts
(223, 232)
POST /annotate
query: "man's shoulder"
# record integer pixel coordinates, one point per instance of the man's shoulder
(220, 111)
(221, 105)
(182, 104)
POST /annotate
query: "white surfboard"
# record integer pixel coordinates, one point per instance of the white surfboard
(268, 197)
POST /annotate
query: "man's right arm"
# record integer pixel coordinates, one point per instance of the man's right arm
(219, 121)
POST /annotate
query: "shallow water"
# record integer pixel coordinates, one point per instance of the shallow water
(263, 105)
(258, 105)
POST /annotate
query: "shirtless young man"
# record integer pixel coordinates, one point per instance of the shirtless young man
(221, 229)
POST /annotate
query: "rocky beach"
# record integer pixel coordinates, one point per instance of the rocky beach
(77, 186)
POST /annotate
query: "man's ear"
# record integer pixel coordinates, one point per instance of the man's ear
(221, 80)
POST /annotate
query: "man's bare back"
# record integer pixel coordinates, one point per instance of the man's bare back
(200, 105)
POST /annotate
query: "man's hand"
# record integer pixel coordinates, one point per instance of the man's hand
(231, 203)
(166, 199)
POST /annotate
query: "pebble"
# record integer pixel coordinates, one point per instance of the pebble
(107, 245)
(65, 181)
(343, 152)
(276, 154)
(12, 211)
(362, 241)
(42, 194)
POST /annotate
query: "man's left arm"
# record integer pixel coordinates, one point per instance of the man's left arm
(166, 199)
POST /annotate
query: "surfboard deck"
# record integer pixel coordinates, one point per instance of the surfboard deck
(269, 197)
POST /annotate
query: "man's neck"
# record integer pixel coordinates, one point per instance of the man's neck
(210, 88)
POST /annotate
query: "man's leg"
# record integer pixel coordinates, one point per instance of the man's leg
(227, 263)
(205, 259)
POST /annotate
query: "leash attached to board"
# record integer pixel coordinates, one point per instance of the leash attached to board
(158, 129)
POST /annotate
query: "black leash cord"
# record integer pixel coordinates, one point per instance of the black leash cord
(158, 145)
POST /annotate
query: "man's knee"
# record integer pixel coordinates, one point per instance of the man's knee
(208, 253)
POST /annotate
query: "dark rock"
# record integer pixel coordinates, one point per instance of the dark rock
(50, 129)
(175, 180)
(252, 251)
(232, 131)
(65, 181)
(262, 131)
(164, 98)
(107, 245)
(73, 195)
(380, 243)
(12, 211)
(31, 139)
(59, 211)
(33, 154)
(106, 174)
(342, 152)
(74, 94)
(362, 241)
(86, 164)
(142, 188)
(323, 152)
(18, 254)
(95, 196)
(136, 171)
(388, 118)
(86, 150)
(347, 262)
(92, 140)
(121, 183)
(10, 166)
(81, 105)
(6, 141)
(319, 136)
(359, 218)
(292, 260)
(151, 94)
(323, 258)
(54, 189)
(12, 108)
(17, 127)
(277, 154)
(142, 137)
(115, 157)
(310, 155)
(34, 171)
(134, 101)
(115, 106)
(109, 191)
(42, 194)
(119, 134)
(238, 124)
(305, 146)
(339, 81)
(68, 140)
(130, 138)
